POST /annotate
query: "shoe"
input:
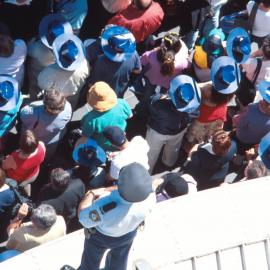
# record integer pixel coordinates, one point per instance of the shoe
(67, 267)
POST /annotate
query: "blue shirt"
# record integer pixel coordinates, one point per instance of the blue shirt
(73, 11)
(122, 219)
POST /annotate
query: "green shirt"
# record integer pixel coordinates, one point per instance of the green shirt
(94, 122)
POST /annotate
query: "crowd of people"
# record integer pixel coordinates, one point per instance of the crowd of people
(202, 119)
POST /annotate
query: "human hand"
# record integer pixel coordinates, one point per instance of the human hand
(23, 211)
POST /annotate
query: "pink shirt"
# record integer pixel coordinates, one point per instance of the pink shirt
(154, 75)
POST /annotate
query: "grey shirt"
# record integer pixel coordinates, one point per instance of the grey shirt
(48, 128)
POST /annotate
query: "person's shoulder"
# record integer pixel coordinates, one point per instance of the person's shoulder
(250, 5)
(122, 103)
(20, 45)
(31, 108)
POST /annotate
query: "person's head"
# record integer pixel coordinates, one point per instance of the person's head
(59, 179)
(175, 185)
(255, 169)
(266, 47)
(221, 142)
(115, 135)
(28, 142)
(142, 4)
(166, 59)
(219, 98)
(2, 177)
(172, 42)
(44, 216)
(266, 3)
(54, 101)
(6, 46)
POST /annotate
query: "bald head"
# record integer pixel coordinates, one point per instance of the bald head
(143, 4)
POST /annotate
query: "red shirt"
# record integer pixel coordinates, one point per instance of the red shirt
(26, 168)
(209, 114)
(141, 23)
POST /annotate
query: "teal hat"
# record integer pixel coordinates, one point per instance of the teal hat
(9, 93)
(264, 150)
(264, 89)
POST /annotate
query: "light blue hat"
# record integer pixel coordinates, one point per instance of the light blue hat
(185, 93)
(52, 26)
(264, 89)
(264, 150)
(225, 75)
(118, 43)
(89, 154)
(9, 93)
(239, 45)
(68, 51)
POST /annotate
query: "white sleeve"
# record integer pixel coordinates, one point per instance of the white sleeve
(114, 170)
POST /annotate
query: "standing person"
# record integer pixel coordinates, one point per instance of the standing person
(48, 119)
(116, 227)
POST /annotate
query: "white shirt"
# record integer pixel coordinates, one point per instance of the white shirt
(135, 152)
(14, 65)
(124, 218)
(68, 82)
(261, 27)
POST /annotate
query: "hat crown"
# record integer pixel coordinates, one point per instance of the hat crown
(120, 42)
(68, 53)
(185, 92)
(55, 29)
(6, 90)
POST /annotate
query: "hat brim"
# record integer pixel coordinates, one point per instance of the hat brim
(59, 42)
(263, 146)
(237, 32)
(216, 65)
(109, 52)
(195, 102)
(100, 154)
(46, 21)
(218, 32)
(263, 86)
(12, 102)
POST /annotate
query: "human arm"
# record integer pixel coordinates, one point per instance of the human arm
(9, 163)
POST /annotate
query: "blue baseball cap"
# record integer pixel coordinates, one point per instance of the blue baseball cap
(89, 154)
(264, 150)
(9, 93)
(264, 89)
(239, 45)
(68, 51)
(185, 93)
(52, 26)
(225, 75)
(118, 43)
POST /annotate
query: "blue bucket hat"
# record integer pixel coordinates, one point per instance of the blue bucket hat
(225, 75)
(264, 89)
(9, 93)
(239, 45)
(52, 26)
(264, 150)
(118, 43)
(185, 93)
(68, 51)
(89, 154)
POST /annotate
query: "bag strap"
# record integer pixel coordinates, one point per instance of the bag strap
(257, 71)
(252, 16)
(36, 123)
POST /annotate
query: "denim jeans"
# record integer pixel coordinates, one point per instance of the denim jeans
(98, 243)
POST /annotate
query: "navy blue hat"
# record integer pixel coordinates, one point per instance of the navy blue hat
(9, 93)
(225, 75)
(134, 183)
(89, 154)
(175, 185)
(115, 135)
(264, 150)
(185, 93)
(118, 43)
(239, 45)
(264, 89)
(68, 51)
(52, 26)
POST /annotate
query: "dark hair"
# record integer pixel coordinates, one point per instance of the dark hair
(59, 179)
(266, 3)
(166, 58)
(28, 142)
(54, 101)
(172, 42)
(142, 4)
(6, 46)
(221, 142)
(219, 98)
(2, 177)
(266, 47)
(256, 169)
